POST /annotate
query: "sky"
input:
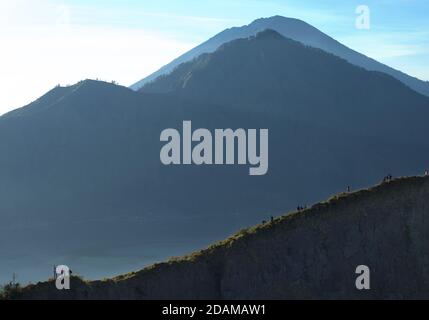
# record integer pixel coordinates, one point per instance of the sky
(48, 42)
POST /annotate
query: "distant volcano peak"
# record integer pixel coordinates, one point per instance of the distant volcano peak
(296, 30)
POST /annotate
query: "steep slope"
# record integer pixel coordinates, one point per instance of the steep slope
(294, 29)
(311, 254)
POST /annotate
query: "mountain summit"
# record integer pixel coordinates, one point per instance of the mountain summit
(297, 30)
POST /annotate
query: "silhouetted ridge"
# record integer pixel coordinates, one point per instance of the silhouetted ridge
(46, 101)
(65, 95)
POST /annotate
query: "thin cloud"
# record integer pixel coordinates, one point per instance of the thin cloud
(388, 45)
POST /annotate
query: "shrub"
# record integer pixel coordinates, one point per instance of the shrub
(10, 291)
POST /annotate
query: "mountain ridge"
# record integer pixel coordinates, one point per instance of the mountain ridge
(58, 93)
(397, 216)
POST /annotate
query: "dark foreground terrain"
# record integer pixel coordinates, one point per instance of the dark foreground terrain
(308, 254)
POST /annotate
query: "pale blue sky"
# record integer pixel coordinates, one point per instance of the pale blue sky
(47, 42)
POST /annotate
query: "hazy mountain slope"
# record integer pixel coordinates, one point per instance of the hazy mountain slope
(297, 30)
(311, 254)
(82, 163)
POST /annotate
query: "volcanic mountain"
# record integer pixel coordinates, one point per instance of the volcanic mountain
(81, 182)
(293, 29)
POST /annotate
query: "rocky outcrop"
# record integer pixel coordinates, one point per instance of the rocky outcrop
(311, 254)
